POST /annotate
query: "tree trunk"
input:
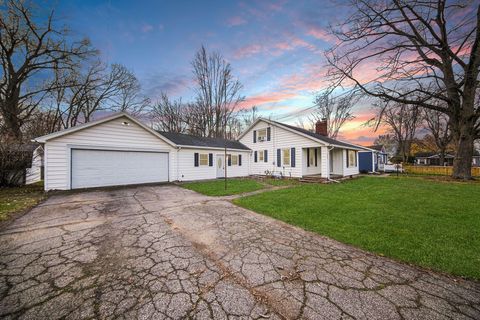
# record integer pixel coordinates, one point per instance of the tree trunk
(442, 157)
(463, 135)
(12, 121)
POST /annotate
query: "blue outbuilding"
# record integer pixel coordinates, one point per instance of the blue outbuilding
(372, 159)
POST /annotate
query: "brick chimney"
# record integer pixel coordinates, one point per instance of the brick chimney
(321, 127)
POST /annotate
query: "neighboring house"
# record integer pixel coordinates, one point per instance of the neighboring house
(35, 172)
(476, 161)
(282, 149)
(433, 159)
(120, 150)
(372, 159)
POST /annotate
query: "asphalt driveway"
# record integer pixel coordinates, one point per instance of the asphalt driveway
(156, 252)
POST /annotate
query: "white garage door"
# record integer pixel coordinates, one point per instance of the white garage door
(98, 168)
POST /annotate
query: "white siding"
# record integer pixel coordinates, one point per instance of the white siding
(312, 169)
(350, 170)
(339, 163)
(188, 172)
(280, 138)
(34, 173)
(110, 135)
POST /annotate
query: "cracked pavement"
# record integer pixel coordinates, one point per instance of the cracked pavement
(163, 252)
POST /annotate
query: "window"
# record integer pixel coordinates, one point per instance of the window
(262, 134)
(261, 154)
(311, 157)
(286, 157)
(204, 159)
(234, 160)
(351, 158)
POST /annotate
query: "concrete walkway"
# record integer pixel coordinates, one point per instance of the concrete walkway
(157, 252)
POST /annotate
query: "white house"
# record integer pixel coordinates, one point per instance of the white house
(283, 149)
(120, 150)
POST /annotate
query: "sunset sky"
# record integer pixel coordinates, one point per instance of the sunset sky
(275, 47)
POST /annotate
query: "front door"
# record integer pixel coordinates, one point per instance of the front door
(220, 166)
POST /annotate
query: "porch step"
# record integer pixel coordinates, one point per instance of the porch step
(313, 180)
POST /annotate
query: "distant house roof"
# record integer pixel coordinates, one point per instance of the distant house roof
(194, 141)
(376, 147)
(319, 136)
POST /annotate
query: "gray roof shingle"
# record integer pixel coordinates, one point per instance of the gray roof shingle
(319, 136)
(190, 140)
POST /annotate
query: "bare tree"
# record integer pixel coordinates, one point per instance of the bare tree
(402, 121)
(217, 93)
(388, 142)
(30, 51)
(336, 110)
(249, 116)
(169, 115)
(437, 123)
(95, 87)
(424, 51)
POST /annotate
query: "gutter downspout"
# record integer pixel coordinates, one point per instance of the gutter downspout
(178, 150)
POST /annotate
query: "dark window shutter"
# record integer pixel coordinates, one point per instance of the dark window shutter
(279, 158)
(268, 134)
(229, 160)
(239, 159)
(195, 159)
(254, 136)
(316, 157)
(292, 156)
(356, 155)
(346, 152)
(308, 157)
(265, 156)
(210, 159)
(255, 156)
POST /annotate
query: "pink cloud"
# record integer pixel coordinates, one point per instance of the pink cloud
(273, 48)
(321, 34)
(236, 21)
(248, 50)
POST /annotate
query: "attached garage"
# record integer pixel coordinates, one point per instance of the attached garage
(117, 150)
(99, 168)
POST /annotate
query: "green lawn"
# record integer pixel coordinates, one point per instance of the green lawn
(217, 187)
(425, 222)
(16, 199)
(281, 182)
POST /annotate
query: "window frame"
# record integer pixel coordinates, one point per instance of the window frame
(311, 154)
(200, 155)
(349, 164)
(261, 138)
(285, 164)
(261, 155)
(234, 156)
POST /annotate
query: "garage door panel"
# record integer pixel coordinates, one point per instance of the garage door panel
(96, 168)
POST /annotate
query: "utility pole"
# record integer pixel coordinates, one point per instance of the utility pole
(225, 137)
